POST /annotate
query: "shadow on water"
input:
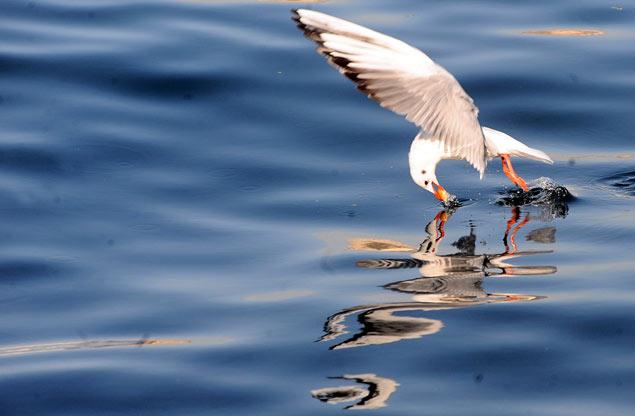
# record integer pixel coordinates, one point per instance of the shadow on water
(445, 282)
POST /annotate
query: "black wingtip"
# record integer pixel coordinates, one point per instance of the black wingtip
(295, 14)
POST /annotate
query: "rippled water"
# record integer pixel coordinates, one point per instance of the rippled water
(192, 198)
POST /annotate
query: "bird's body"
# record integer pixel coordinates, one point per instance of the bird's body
(405, 80)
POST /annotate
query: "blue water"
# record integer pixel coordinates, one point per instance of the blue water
(191, 198)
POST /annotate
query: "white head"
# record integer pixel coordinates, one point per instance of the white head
(423, 158)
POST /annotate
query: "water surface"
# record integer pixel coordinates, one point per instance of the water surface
(202, 217)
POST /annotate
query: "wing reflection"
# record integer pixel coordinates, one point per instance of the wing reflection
(373, 395)
(447, 281)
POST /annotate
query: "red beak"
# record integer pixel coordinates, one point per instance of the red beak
(440, 193)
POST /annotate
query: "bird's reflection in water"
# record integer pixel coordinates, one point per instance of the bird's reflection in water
(446, 282)
(374, 393)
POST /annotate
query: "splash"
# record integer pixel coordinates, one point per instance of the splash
(543, 192)
(455, 202)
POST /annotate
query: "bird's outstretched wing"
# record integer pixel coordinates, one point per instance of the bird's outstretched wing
(403, 79)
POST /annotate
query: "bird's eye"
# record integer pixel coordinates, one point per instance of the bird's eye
(423, 172)
(426, 182)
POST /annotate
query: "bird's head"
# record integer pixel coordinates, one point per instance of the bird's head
(427, 179)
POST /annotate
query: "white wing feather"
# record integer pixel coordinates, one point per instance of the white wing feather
(403, 79)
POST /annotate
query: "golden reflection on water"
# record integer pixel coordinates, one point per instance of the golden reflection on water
(278, 296)
(67, 346)
(447, 281)
(375, 244)
(565, 32)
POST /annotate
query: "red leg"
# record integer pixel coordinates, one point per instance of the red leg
(511, 236)
(510, 223)
(441, 218)
(511, 173)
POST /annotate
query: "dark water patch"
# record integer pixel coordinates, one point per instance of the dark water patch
(10, 270)
(604, 330)
(31, 160)
(622, 182)
(94, 385)
(186, 87)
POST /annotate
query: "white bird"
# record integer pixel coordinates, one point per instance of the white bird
(405, 80)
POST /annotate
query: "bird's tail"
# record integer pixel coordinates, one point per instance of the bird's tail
(534, 154)
(498, 143)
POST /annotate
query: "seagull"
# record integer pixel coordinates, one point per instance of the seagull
(405, 80)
